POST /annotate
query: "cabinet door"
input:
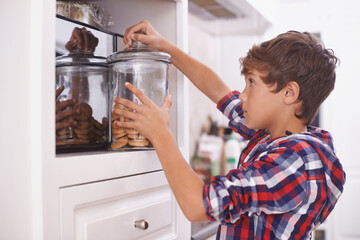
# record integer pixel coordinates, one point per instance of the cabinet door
(137, 207)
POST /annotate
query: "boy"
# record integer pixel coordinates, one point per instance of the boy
(289, 178)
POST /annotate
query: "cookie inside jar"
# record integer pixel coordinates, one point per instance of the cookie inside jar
(125, 138)
(86, 131)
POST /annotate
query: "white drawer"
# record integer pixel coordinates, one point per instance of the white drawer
(108, 210)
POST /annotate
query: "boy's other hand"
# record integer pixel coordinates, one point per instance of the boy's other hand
(82, 39)
(148, 36)
(147, 118)
(63, 112)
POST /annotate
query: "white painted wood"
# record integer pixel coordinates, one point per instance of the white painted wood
(109, 209)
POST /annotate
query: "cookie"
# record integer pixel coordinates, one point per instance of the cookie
(131, 131)
(81, 131)
(83, 124)
(105, 122)
(62, 137)
(99, 139)
(64, 131)
(114, 116)
(139, 143)
(117, 136)
(72, 141)
(83, 136)
(85, 111)
(117, 130)
(61, 142)
(114, 126)
(82, 141)
(136, 136)
(98, 132)
(97, 124)
(121, 142)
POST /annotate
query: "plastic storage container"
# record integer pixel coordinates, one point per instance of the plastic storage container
(85, 79)
(147, 70)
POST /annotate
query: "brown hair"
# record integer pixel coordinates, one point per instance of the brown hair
(299, 57)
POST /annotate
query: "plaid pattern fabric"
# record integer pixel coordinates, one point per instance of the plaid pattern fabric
(283, 187)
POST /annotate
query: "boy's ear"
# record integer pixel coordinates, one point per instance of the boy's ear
(291, 92)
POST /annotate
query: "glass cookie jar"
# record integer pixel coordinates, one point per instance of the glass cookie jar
(147, 70)
(84, 78)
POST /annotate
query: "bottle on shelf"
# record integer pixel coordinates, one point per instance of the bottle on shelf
(232, 153)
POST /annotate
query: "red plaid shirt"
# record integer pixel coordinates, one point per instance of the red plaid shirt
(283, 188)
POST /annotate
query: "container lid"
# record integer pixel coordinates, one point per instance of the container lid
(138, 50)
(81, 58)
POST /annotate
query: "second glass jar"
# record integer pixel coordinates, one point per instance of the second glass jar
(148, 71)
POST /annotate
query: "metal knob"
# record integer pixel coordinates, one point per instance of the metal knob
(141, 224)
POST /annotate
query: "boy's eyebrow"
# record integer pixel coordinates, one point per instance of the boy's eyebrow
(250, 74)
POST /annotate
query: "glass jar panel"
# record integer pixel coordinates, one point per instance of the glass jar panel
(89, 88)
(151, 77)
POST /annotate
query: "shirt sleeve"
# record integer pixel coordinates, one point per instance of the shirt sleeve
(274, 183)
(231, 107)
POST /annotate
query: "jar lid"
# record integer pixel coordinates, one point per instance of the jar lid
(81, 58)
(138, 50)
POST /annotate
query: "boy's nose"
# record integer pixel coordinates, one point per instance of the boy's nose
(242, 96)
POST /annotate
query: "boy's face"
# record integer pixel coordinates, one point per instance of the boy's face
(261, 106)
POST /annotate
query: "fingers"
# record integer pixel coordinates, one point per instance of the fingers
(86, 38)
(58, 92)
(94, 43)
(146, 39)
(65, 114)
(143, 26)
(139, 94)
(71, 45)
(90, 41)
(64, 104)
(76, 40)
(125, 113)
(60, 125)
(130, 124)
(82, 39)
(167, 103)
(128, 103)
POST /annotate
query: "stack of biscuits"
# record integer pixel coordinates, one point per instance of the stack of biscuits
(87, 129)
(125, 136)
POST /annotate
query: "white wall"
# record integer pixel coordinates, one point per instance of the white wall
(221, 54)
(202, 46)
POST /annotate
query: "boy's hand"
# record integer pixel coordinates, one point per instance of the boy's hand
(147, 118)
(149, 36)
(62, 114)
(82, 39)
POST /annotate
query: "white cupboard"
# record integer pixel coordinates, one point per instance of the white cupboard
(91, 195)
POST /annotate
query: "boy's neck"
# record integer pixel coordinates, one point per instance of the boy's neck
(287, 129)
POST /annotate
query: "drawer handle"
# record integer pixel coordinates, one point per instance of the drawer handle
(141, 224)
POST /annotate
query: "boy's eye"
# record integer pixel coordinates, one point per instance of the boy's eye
(251, 82)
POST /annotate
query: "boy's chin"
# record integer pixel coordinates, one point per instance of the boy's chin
(247, 123)
(251, 125)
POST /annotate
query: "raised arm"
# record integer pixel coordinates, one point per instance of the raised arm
(205, 79)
